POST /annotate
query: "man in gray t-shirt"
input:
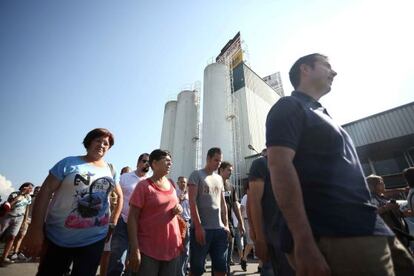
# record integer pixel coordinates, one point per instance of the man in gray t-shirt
(209, 222)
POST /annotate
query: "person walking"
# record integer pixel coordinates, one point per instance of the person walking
(119, 242)
(153, 227)
(329, 225)
(209, 231)
(71, 214)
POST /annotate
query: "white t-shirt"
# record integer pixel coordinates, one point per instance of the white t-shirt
(128, 181)
(244, 203)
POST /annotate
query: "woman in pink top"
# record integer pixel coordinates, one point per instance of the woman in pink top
(153, 230)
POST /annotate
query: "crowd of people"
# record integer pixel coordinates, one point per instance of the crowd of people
(307, 207)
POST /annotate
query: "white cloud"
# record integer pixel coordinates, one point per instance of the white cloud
(6, 187)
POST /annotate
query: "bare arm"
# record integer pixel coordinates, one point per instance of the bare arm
(254, 198)
(223, 207)
(237, 212)
(120, 202)
(288, 192)
(195, 216)
(33, 244)
(192, 198)
(135, 255)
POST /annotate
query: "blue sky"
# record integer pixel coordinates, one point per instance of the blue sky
(70, 66)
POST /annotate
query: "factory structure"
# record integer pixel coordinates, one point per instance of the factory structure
(232, 116)
(235, 104)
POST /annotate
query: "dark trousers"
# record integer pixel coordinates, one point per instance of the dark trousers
(57, 260)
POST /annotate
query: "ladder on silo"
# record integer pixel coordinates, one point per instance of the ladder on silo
(234, 117)
(197, 137)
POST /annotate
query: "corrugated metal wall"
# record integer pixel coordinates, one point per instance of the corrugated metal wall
(386, 125)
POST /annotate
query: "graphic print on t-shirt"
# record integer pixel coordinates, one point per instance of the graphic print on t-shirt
(90, 202)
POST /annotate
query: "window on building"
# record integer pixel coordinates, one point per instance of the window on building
(410, 153)
(392, 165)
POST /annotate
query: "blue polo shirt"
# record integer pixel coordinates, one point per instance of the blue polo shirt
(335, 194)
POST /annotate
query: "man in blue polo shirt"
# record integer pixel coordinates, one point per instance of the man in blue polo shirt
(329, 225)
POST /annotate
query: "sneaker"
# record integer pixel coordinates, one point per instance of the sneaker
(6, 261)
(21, 257)
(243, 265)
(13, 256)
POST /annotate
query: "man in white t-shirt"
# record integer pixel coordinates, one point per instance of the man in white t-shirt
(119, 243)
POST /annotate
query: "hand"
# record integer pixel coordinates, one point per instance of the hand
(200, 235)
(241, 229)
(109, 234)
(177, 210)
(134, 260)
(33, 242)
(261, 250)
(392, 206)
(227, 229)
(310, 261)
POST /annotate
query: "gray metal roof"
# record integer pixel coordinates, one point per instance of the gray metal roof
(386, 125)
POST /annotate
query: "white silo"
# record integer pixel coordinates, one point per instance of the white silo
(185, 135)
(168, 126)
(217, 111)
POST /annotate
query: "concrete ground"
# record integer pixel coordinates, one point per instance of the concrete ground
(30, 268)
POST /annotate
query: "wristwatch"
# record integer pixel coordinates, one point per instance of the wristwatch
(112, 225)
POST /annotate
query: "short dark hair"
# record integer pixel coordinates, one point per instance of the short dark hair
(224, 165)
(24, 185)
(408, 174)
(97, 133)
(211, 152)
(125, 169)
(142, 156)
(158, 154)
(294, 73)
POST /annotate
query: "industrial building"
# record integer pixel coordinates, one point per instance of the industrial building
(235, 105)
(180, 132)
(385, 143)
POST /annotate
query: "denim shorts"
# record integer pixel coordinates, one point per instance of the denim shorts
(11, 224)
(216, 245)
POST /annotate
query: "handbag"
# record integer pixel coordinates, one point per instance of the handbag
(4, 208)
(182, 224)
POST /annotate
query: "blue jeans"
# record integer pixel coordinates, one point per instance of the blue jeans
(183, 265)
(119, 245)
(216, 245)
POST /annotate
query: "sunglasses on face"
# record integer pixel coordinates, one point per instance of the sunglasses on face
(144, 161)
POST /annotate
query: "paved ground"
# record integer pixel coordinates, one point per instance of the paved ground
(29, 268)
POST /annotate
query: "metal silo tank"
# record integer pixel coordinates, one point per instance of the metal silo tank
(217, 111)
(185, 135)
(168, 126)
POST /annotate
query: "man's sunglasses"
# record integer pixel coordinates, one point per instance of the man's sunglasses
(144, 161)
